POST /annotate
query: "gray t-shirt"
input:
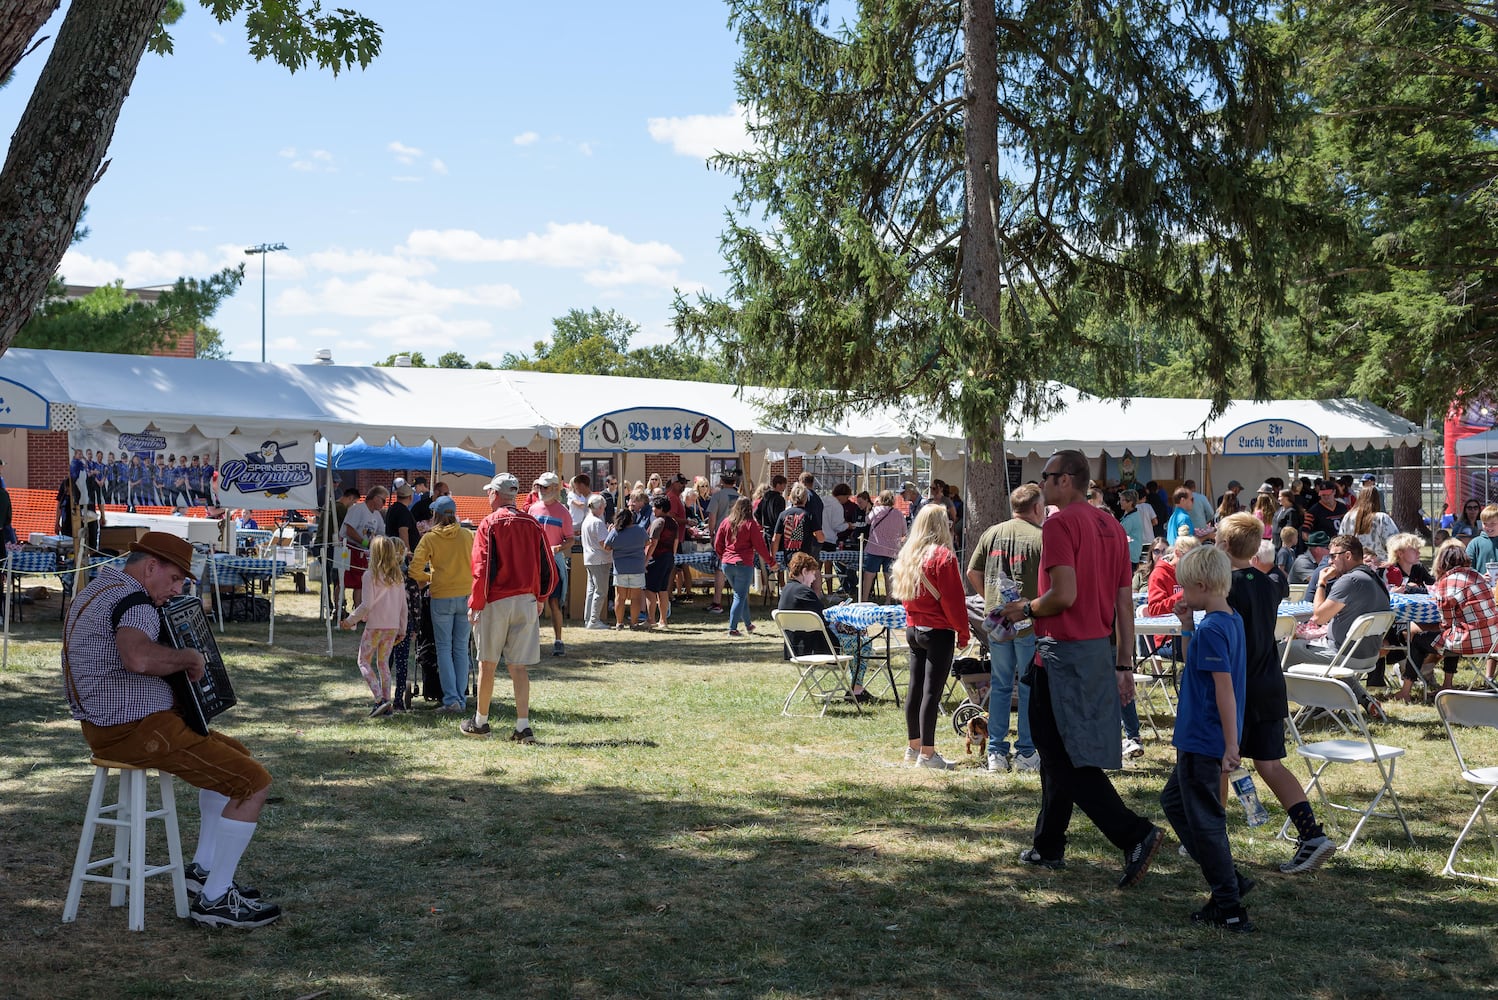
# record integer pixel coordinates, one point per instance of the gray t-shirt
(1359, 593)
(721, 502)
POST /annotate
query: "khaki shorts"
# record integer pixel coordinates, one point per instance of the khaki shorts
(162, 740)
(508, 628)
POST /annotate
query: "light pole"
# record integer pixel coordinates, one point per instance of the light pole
(263, 249)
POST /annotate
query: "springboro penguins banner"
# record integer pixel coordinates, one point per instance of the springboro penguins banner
(145, 467)
(275, 471)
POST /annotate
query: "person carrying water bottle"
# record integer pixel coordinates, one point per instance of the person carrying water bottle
(1209, 717)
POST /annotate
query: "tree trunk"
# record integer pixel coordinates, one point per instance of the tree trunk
(987, 499)
(1409, 473)
(55, 155)
(20, 20)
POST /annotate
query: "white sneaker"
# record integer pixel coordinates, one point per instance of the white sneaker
(600, 625)
(935, 762)
(912, 755)
(1028, 762)
(1132, 748)
(998, 763)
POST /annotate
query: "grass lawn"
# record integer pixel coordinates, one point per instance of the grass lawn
(673, 835)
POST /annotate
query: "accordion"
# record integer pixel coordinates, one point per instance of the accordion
(211, 695)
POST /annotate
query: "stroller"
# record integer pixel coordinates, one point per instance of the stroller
(970, 669)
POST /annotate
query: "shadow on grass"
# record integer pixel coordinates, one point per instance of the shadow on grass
(635, 878)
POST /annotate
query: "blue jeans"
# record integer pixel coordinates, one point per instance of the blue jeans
(739, 575)
(1007, 662)
(450, 630)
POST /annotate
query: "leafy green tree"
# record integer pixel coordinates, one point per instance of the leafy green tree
(942, 196)
(56, 153)
(595, 342)
(114, 320)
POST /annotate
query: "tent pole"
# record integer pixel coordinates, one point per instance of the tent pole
(329, 521)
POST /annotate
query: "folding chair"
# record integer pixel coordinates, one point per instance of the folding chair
(1152, 676)
(1472, 709)
(823, 676)
(1345, 665)
(1334, 697)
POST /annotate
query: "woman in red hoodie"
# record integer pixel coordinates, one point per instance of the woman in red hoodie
(738, 540)
(928, 582)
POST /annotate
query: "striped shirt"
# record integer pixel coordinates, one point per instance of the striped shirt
(554, 520)
(106, 693)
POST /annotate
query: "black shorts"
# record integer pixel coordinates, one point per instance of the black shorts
(1263, 739)
(658, 574)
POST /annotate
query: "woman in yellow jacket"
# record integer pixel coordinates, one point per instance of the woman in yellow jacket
(448, 550)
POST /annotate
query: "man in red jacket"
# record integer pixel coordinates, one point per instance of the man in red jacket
(1084, 625)
(512, 574)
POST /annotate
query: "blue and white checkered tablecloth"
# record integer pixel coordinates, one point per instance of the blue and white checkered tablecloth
(31, 562)
(847, 557)
(1170, 624)
(862, 616)
(235, 571)
(1421, 609)
(706, 560)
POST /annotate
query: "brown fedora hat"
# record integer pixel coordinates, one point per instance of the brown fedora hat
(168, 548)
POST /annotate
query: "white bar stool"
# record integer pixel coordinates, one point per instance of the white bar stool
(127, 865)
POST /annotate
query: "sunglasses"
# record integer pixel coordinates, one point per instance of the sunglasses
(1048, 475)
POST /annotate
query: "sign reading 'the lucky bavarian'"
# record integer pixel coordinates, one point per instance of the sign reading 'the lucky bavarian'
(1271, 437)
(648, 428)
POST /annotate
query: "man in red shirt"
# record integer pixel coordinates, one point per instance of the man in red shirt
(556, 520)
(512, 574)
(1084, 624)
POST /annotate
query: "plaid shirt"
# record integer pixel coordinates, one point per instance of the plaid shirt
(1469, 613)
(106, 693)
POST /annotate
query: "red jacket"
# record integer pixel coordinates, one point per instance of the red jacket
(925, 611)
(510, 557)
(744, 546)
(1161, 595)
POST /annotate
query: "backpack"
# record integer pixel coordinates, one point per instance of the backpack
(794, 532)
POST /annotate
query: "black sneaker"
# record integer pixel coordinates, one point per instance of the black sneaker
(523, 736)
(1246, 884)
(1233, 919)
(468, 728)
(1309, 855)
(1137, 858)
(196, 876)
(233, 910)
(1031, 856)
(557, 649)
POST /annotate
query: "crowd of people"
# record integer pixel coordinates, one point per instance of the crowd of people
(1058, 580)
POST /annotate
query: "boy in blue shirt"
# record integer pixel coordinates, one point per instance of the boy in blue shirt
(1209, 718)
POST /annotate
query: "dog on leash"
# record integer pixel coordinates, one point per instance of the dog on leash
(977, 732)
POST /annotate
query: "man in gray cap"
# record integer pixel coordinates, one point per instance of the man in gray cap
(512, 574)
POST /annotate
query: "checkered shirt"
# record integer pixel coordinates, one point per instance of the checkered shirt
(1468, 611)
(106, 693)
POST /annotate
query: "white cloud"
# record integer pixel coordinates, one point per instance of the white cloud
(404, 153)
(355, 261)
(216, 37)
(142, 268)
(585, 148)
(527, 138)
(607, 259)
(438, 167)
(701, 136)
(318, 160)
(390, 295)
(287, 152)
(427, 332)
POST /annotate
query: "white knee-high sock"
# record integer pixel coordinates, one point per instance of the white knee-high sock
(232, 837)
(211, 807)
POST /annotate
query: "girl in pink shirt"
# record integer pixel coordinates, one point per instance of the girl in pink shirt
(383, 610)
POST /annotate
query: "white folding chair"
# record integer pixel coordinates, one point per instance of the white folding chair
(823, 677)
(1336, 698)
(1471, 709)
(1284, 634)
(1153, 675)
(1345, 665)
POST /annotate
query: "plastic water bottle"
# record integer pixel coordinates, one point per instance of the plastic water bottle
(1248, 794)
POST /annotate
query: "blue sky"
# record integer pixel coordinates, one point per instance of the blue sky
(497, 165)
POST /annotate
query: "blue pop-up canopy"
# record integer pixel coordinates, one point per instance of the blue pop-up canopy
(394, 455)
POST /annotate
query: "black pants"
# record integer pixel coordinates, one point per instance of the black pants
(1191, 803)
(1422, 647)
(1064, 785)
(931, 651)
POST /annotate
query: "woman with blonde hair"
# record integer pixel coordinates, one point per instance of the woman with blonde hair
(383, 609)
(928, 582)
(738, 540)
